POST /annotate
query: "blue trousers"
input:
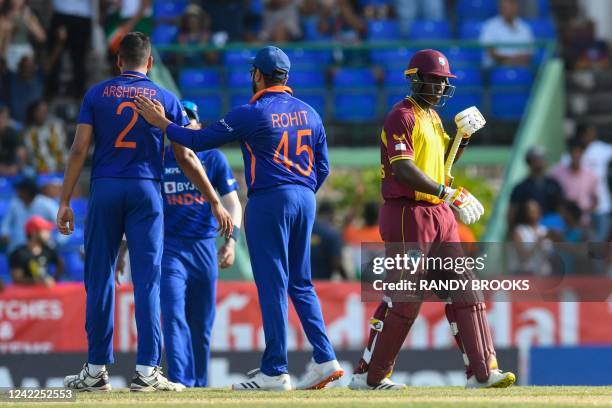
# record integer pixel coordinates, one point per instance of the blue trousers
(278, 226)
(188, 294)
(133, 207)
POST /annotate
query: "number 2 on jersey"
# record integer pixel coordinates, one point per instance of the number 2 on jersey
(120, 142)
(283, 158)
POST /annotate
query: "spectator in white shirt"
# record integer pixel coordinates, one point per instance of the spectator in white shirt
(507, 28)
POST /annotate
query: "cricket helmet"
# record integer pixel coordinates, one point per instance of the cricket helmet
(429, 62)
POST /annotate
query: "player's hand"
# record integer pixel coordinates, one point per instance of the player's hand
(226, 254)
(469, 208)
(469, 121)
(65, 220)
(152, 111)
(223, 217)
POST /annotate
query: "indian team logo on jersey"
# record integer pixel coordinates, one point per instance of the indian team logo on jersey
(442, 61)
(169, 187)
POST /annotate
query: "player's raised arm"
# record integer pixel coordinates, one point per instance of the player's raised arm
(76, 160)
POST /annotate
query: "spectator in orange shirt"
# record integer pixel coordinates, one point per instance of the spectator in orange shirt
(369, 232)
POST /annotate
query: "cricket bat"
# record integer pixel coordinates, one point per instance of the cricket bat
(468, 121)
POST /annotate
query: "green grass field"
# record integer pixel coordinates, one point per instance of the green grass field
(341, 397)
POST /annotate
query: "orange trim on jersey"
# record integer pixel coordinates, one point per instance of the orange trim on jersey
(252, 162)
(278, 88)
(401, 157)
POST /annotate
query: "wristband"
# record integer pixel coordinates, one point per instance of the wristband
(235, 233)
(440, 192)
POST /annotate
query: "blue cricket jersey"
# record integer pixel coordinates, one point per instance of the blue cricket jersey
(282, 140)
(187, 214)
(126, 146)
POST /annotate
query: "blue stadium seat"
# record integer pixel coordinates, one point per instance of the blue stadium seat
(164, 34)
(467, 77)
(394, 95)
(355, 106)
(538, 56)
(79, 206)
(470, 29)
(383, 30)
(239, 98)
(4, 205)
(239, 58)
(75, 267)
(210, 106)
(462, 99)
(300, 56)
(391, 57)
(543, 28)
(239, 78)
(544, 8)
(5, 271)
(6, 187)
(311, 31)
(511, 76)
(507, 105)
(394, 77)
(199, 79)
(316, 100)
(463, 57)
(354, 78)
(475, 9)
(304, 79)
(168, 8)
(430, 30)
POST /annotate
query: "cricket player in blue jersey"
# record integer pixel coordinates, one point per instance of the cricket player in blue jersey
(125, 197)
(285, 156)
(189, 263)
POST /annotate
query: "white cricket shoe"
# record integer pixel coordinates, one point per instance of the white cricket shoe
(497, 379)
(85, 381)
(154, 382)
(319, 375)
(258, 381)
(360, 382)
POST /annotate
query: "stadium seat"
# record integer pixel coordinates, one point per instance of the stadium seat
(467, 77)
(511, 76)
(475, 9)
(391, 57)
(354, 78)
(6, 187)
(507, 105)
(239, 58)
(4, 205)
(430, 30)
(538, 56)
(470, 29)
(239, 78)
(192, 78)
(5, 272)
(210, 106)
(394, 95)
(311, 31)
(239, 98)
(168, 8)
(543, 29)
(463, 57)
(79, 207)
(544, 8)
(355, 106)
(305, 79)
(300, 56)
(383, 30)
(462, 99)
(316, 100)
(394, 77)
(164, 34)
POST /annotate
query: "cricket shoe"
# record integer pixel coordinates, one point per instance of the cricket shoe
(497, 379)
(360, 382)
(85, 381)
(258, 381)
(319, 375)
(154, 382)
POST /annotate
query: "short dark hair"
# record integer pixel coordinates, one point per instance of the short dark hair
(270, 80)
(135, 49)
(575, 143)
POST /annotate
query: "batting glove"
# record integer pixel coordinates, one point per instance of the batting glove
(469, 208)
(469, 121)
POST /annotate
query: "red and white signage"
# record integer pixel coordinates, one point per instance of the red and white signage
(41, 320)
